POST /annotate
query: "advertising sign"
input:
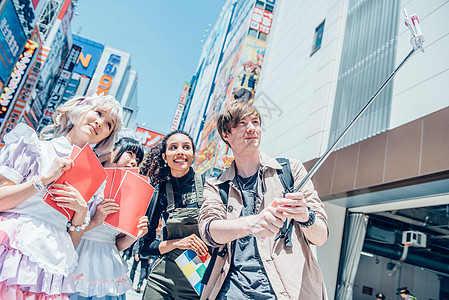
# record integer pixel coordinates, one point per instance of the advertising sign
(16, 79)
(210, 60)
(33, 115)
(109, 73)
(89, 56)
(261, 20)
(177, 118)
(12, 39)
(184, 93)
(226, 84)
(147, 137)
(59, 87)
(25, 12)
(22, 99)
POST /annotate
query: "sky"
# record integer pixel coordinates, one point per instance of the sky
(164, 39)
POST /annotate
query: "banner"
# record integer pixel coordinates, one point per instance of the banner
(110, 72)
(147, 137)
(59, 88)
(89, 56)
(12, 39)
(16, 82)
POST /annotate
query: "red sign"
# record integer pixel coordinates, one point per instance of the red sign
(261, 20)
(184, 93)
(148, 138)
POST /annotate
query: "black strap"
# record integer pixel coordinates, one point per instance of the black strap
(223, 189)
(199, 187)
(287, 180)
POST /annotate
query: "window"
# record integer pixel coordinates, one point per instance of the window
(318, 38)
(253, 32)
(262, 36)
(269, 7)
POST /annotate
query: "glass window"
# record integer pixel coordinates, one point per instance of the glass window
(262, 36)
(269, 8)
(318, 38)
(253, 32)
(260, 4)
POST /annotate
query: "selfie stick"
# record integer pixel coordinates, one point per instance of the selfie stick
(416, 40)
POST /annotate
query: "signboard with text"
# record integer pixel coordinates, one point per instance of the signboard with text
(59, 87)
(17, 78)
(12, 39)
(261, 20)
(89, 56)
(148, 138)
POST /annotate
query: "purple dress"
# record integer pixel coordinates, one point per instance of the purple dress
(37, 256)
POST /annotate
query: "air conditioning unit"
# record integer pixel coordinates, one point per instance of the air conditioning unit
(414, 238)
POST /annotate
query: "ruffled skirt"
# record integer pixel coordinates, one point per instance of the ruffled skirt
(101, 271)
(36, 259)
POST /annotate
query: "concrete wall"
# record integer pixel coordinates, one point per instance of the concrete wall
(296, 90)
(421, 87)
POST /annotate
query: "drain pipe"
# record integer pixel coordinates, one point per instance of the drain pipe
(401, 260)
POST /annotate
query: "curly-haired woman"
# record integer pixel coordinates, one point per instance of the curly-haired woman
(176, 201)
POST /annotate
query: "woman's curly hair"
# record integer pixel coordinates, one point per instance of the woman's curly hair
(154, 166)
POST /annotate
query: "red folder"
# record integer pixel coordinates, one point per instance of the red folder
(86, 175)
(132, 193)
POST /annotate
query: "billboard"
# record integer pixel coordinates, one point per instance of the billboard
(181, 106)
(58, 43)
(25, 10)
(17, 78)
(261, 20)
(22, 99)
(89, 56)
(210, 59)
(147, 137)
(58, 89)
(227, 83)
(12, 39)
(34, 113)
(109, 73)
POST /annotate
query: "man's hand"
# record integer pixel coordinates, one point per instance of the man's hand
(292, 206)
(266, 223)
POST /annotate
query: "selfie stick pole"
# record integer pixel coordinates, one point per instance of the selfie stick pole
(417, 40)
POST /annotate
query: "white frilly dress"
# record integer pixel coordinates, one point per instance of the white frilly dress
(101, 272)
(37, 256)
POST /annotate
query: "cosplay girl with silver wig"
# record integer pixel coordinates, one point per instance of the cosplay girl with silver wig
(37, 254)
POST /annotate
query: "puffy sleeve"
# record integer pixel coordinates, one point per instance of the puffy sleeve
(20, 157)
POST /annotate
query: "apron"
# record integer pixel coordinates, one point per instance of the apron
(166, 280)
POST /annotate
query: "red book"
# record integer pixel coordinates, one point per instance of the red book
(86, 175)
(132, 193)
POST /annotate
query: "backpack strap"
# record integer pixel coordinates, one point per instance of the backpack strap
(170, 197)
(287, 180)
(199, 187)
(223, 189)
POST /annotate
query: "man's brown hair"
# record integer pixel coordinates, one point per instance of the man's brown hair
(233, 114)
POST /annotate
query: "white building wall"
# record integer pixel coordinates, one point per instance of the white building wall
(296, 91)
(422, 86)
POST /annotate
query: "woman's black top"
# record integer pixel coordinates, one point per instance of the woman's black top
(184, 192)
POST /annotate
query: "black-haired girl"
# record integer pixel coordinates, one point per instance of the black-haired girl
(101, 271)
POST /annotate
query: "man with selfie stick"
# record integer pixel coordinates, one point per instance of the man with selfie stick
(254, 261)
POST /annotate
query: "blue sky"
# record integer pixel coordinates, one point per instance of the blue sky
(164, 39)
